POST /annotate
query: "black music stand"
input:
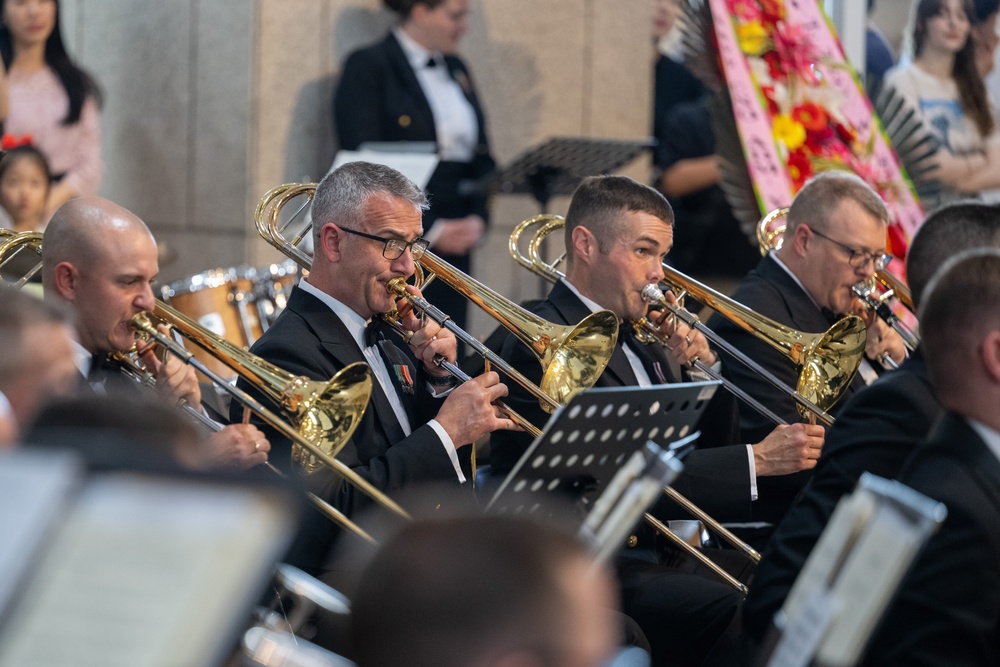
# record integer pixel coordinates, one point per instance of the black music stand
(556, 166)
(587, 441)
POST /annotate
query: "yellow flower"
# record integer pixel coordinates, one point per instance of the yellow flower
(752, 37)
(788, 131)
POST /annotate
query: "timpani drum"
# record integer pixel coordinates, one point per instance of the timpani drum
(273, 286)
(224, 302)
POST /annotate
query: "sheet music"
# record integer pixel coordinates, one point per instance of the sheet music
(416, 166)
(146, 571)
(33, 489)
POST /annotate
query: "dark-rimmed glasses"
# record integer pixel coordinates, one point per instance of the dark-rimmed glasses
(858, 258)
(394, 248)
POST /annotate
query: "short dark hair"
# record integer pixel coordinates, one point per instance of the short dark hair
(961, 304)
(404, 7)
(342, 195)
(26, 152)
(599, 201)
(440, 591)
(822, 194)
(20, 312)
(947, 231)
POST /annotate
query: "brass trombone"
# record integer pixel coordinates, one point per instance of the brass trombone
(134, 368)
(12, 244)
(572, 357)
(827, 361)
(874, 294)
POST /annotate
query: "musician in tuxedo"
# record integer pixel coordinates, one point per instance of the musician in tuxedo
(878, 428)
(617, 234)
(99, 261)
(947, 607)
(366, 231)
(36, 359)
(834, 238)
(413, 87)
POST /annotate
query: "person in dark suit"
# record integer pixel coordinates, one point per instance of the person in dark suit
(877, 429)
(617, 234)
(412, 87)
(947, 608)
(99, 260)
(366, 231)
(835, 238)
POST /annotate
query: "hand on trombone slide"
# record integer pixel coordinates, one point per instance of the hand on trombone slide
(883, 342)
(428, 340)
(174, 379)
(685, 344)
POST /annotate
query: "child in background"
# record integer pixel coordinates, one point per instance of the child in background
(24, 188)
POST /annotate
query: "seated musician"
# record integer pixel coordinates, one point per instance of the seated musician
(618, 232)
(946, 608)
(878, 428)
(99, 260)
(36, 360)
(835, 237)
(366, 224)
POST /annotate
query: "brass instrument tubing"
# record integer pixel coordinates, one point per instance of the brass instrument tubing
(662, 528)
(270, 417)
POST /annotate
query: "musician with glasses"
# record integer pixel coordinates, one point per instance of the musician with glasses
(100, 260)
(366, 232)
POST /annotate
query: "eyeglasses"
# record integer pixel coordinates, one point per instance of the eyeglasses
(858, 258)
(394, 248)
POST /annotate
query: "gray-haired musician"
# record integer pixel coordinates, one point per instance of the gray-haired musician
(99, 259)
(366, 223)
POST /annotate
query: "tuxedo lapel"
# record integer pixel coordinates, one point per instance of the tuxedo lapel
(337, 342)
(398, 61)
(953, 434)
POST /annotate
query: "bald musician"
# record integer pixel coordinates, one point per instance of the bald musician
(99, 260)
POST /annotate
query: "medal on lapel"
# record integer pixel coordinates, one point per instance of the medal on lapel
(403, 376)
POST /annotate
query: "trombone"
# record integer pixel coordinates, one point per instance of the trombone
(133, 367)
(874, 294)
(13, 244)
(828, 360)
(572, 357)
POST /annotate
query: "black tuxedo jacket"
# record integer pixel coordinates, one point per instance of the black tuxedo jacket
(380, 99)
(771, 292)
(309, 339)
(947, 611)
(716, 476)
(875, 432)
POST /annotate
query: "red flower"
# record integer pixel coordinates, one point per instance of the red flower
(773, 10)
(812, 116)
(772, 105)
(817, 139)
(799, 168)
(776, 69)
(845, 134)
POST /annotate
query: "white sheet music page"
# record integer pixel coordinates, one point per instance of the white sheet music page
(146, 571)
(416, 166)
(33, 489)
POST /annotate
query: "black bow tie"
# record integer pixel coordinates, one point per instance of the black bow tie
(373, 332)
(626, 332)
(432, 62)
(830, 316)
(101, 366)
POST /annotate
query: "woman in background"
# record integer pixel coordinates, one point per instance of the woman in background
(51, 99)
(944, 85)
(411, 86)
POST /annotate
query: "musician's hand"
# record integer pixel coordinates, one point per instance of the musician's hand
(174, 378)
(427, 338)
(458, 235)
(236, 447)
(788, 449)
(883, 340)
(685, 344)
(467, 413)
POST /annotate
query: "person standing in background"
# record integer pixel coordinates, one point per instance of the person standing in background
(411, 86)
(52, 100)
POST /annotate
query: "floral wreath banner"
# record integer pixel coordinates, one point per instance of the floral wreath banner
(800, 108)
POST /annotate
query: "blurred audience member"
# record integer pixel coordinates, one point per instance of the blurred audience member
(484, 592)
(24, 189)
(674, 82)
(52, 100)
(879, 57)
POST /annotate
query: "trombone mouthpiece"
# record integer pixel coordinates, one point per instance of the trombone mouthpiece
(140, 322)
(652, 294)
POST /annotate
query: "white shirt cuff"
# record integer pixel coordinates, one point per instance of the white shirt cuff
(753, 473)
(449, 447)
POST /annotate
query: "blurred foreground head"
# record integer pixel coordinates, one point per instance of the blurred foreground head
(484, 591)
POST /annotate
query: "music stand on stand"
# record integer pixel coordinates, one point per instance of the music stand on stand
(587, 441)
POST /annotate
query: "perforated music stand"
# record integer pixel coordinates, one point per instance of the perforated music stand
(589, 439)
(556, 166)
